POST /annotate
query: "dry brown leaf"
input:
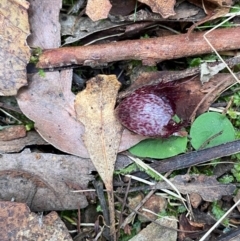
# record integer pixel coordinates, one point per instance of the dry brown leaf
(195, 199)
(98, 9)
(207, 187)
(213, 8)
(95, 109)
(222, 2)
(44, 22)
(79, 28)
(207, 93)
(49, 102)
(163, 7)
(14, 52)
(156, 204)
(185, 225)
(18, 223)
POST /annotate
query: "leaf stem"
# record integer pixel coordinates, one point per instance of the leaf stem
(112, 215)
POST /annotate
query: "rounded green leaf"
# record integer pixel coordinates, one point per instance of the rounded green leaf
(160, 148)
(211, 129)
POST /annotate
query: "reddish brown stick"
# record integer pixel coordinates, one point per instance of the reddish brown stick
(149, 51)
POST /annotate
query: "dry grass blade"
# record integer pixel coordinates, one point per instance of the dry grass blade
(219, 221)
(215, 51)
(147, 167)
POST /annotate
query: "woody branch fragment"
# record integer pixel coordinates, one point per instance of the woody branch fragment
(150, 51)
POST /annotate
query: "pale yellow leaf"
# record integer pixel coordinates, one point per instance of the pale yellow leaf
(95, 109)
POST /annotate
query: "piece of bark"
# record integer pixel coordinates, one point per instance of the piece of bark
(14, 52)
(44, 23)
(16, 145)
(12, 132)
(18, 223)
(150, 51)
(45, 181)
(196, 157)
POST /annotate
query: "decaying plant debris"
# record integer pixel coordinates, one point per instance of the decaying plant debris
(89, 140)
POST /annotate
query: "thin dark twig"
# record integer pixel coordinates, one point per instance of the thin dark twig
(123, 206)
(196, 157)
(154, 221)
(99, 189)
(136, 208)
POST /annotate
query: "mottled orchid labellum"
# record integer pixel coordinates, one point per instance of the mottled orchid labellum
(149, 110)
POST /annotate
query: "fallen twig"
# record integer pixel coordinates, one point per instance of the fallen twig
(197, 157)
(149, 51)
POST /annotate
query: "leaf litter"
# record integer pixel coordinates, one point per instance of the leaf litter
(26, 225)
(14, 52)
(95, 109)
(68, 109)
(55, 116)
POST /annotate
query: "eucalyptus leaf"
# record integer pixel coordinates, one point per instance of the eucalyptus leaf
(160, 148)
(211, 129)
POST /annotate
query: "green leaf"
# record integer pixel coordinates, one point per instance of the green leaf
(236, 171)
(41, 73)
(226, 179)
(195, 62)
(127, 170)
(211, 129)
(218, 213)
(160, 148)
